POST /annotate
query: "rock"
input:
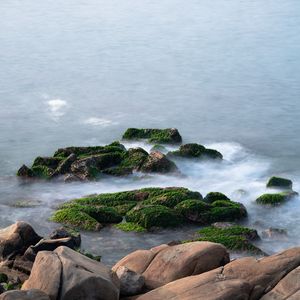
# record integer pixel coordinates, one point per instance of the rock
(65, 165)
(242, 279)
(133, 159)
(24, 295)
(157, 162)
(71, 178)
(15, 239)
(162, 136)
(132, 283)
(287, 288)
(25, 172)
(151, 216)
(276, 199)
(274, 233)
(233, 237)
(158, 147)
(196, 151)
(73, 276)
(63, 232)
(50, 162)
(207, 286)
(281, 183)
(164, 264)
(214, 196)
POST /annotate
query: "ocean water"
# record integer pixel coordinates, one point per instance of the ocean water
(225, 73)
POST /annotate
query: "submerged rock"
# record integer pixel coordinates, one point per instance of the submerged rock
(196, 151)
(276, 199)
(281, 183)
(232, 236)
(162, 136)
(274, 233)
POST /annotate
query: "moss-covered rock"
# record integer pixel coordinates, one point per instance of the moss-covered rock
(134, 158)
(281, 183)
(128, 226)
(50, 162)
(76, 218)
(42, 172)
(157, 162)
(233, 237)
(25, 172)
(163, 136)
(194, 211)
(149, 216)
(276, 199)
(214, 196)
(194, 150)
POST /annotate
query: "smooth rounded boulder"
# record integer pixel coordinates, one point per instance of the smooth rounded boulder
(24, 295)
(15, 239)
(66, 274)
(165, 264)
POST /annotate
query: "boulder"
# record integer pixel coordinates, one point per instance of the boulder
(274, 233)
(157, 162)
(72, 276)
(132, 283)
(25, 172)
(16, 238)
(287, 288)
(163, 136)
(194, 150)
(242, 279)
(24, 295)
(65, 165)
(63, 232)
(165, 264)
(207, 286)
(276, 199)
(215, 196)
(280, 183)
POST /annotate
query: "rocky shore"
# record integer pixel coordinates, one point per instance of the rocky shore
(52, 268)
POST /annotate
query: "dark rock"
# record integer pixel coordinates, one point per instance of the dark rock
(65, 165)
(157, 162)
(163, 136)
(281, 183)
(63, 232)
(24, 295)
(25, 172)
(214, 196)
(274, 233)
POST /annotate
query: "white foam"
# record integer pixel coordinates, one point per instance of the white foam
(94, 121)
(57, 108)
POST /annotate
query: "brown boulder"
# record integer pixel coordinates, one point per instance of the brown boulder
(16, 238)
(73, 275)
(157, 162)
(24, 295)
(165, 264)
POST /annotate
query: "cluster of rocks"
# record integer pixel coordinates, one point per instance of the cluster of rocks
(195, 270)
(148, 209)
(89, 163)
(284, 192)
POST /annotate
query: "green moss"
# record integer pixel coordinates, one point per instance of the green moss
(194, 150)
(226, 212)
(233, 238)
(278, 182)
(164, 136)
(42, 172)
(154, 216)
(194, 210)
(75, 218)
(128, 226)
(117, 171)
(50, 162)
(134, 158)
(213, 196)
(275, 199)
(124, 208)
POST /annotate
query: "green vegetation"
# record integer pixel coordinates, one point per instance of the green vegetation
(278, 182)
(128, 226)
(76, 218)
(233, 237)
(147, 208)
(214, 196)
(150, 216)
(194, 150)
(275, 199)
(3, 277)
(163, 136)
